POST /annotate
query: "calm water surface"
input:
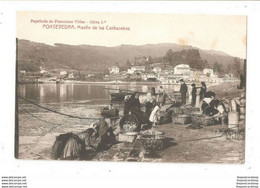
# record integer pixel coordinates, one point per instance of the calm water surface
(64, 93)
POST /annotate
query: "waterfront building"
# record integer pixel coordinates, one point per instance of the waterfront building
(114, 70)
(208, 72)
(149, 76)
(157, 70)
(136, 69)
(182, 69)
(71, 75)
(62, 73)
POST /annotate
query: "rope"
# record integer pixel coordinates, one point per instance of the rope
(68, 115)
(205, 138)
(48, 122)
(37, 117)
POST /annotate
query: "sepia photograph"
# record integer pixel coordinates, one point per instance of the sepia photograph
(130, 87)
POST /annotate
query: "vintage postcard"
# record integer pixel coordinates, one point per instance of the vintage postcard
(130, 87)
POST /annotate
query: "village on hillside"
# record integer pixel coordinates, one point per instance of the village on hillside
(139, 71)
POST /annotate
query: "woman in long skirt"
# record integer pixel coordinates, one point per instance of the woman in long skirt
(78, 145)
(203, 90)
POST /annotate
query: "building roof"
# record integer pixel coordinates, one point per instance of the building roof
(182, 65)
(207, 69)
(139, 67)
(113, 67)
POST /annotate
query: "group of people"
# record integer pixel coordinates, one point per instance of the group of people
(212, 106)
(184, 90)
(209, 104)
(100, 136)
(152, 104)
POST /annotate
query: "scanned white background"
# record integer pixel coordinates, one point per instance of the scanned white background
(42, 174)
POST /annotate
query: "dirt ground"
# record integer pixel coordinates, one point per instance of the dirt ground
(201, 145)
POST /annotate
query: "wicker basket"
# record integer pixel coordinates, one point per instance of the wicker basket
(127, 137)
(242, 110)
(175, 110)
(129, 123)
(109, 113)
(190, 110)
(181, 119)
(201, 119)
(152, 140)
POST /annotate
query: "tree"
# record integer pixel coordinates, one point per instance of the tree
(169, 56)
(237, 67)
(229, 69)
(128, 64)
(218, 68)
(206, 64)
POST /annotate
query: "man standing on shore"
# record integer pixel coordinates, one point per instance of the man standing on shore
(183, 91)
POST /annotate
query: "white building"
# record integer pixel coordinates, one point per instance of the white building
(208, 72)
(114, 70)
(130, 71)
(136, 69)
(71, 75)
(157, 70)
(182, 69)
(63, 73)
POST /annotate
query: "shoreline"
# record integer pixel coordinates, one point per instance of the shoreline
(121, 83)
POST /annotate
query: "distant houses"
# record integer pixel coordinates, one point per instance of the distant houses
(157, 70)
(114, 70)
(71, 76)
(208, 72)
(166, 74)
(136, 69)
(182, 69)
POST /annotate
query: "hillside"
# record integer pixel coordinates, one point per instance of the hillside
(98, 58)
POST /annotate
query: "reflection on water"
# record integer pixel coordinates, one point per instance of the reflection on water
(59, 93)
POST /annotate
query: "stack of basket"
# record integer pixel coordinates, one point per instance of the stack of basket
(242, 108)
(188, 109)
(152, 140)
(182, 119)
(242, 111)
(129, 128)
(183, 115)
(175, 110)
(202, 120)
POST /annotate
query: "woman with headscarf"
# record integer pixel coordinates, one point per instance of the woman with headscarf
(207, 101)
(80, 145)
(203, 90)
(149, 102)
(132, 103)
(107, 140)
(193, 94)
(160, 100)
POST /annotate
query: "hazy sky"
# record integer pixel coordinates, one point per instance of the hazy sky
(221, 33)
